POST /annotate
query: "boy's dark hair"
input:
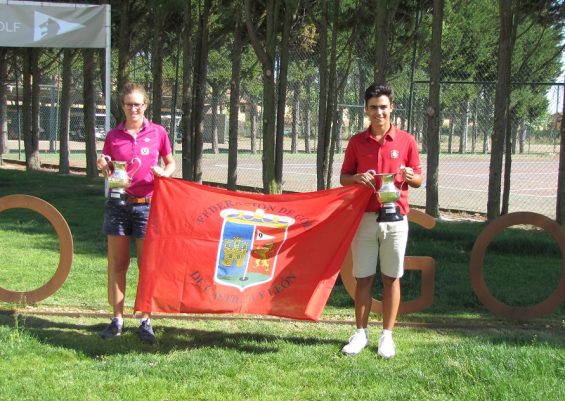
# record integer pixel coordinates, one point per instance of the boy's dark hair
(377, 90)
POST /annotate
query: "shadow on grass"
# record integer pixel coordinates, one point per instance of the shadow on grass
(85, 339)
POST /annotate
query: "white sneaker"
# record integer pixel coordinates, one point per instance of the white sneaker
(387, 349)
(357, 342)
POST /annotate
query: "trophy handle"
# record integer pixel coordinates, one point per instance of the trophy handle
(109, 162)
(109, 170)
(136, 160)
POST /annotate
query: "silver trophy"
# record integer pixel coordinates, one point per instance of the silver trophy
(118, 179)
(387, 195)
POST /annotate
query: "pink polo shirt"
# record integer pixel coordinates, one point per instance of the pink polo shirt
(398, 149)
(151, 143)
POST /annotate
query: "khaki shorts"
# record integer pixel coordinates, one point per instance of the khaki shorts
(374, 240)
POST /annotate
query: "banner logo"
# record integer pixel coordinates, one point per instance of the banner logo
(249, 246)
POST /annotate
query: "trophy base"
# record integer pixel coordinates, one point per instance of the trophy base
(389, 214)
(117, 197)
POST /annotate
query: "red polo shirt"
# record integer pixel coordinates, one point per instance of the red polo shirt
(398, 148)
(151, 143)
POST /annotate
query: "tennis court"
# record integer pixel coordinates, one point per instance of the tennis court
(463, 180)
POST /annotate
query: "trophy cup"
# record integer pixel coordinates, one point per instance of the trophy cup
(387, 195)
(119, 180)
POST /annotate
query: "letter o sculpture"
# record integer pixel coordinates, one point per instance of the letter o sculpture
(65, 248)
(477, 260)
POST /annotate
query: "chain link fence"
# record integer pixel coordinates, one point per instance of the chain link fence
(467, 110)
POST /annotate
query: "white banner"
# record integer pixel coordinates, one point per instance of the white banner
(38, 24)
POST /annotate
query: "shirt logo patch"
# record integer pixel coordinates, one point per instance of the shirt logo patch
(144, 151)
(147, 139)
(394, 154)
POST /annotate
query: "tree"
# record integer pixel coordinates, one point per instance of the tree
(130, 19)
(65, 111)
(235, 84)
(289, 10)
(31, 107)
(325, 99)
(560, 212)
(125, 33)
(158, 12)
(3, 101)
(385, 14)
(187, 57)
(432, 205)
(501, 105)
(512, 15)
(266, 51)
(219, 80)
(89, 110)
(331, 86)
(199, 89)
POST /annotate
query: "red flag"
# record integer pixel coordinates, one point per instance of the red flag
(209, 250)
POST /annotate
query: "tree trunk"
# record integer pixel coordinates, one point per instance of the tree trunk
(157, 65)
(560, 212)
(214, 118)
(26, 103)
(507, 168)
(522, 137)
(186, 92)
(89, 75)
(307, 123)
(339, 122)
(199, 88)
(124, 39)
(335, 146)
(501, 108)
(266, 56)
(281, 97)
(385, 13)
(464, 126)
(235, 85)
(269, 181)
(65, 112)
(33, 162)
(3, 102)
(253, 123)
(514, 133)
(295, 117)
(361, 90)
(475, 128)
(331, 114)
(450, 137)
(323, 135)
(433, 112)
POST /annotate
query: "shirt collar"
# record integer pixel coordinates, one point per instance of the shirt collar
(122, 125)
(391, 133)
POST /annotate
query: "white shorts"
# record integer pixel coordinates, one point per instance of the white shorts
(374, 239)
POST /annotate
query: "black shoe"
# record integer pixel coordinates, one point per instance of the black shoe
(146, 332)
(113, 330)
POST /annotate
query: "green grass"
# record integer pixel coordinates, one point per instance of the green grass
(454, 350)
(63, 359)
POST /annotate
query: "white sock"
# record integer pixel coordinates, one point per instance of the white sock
(387, 333)
(119, 320)
(143, 319)
(364, 331)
